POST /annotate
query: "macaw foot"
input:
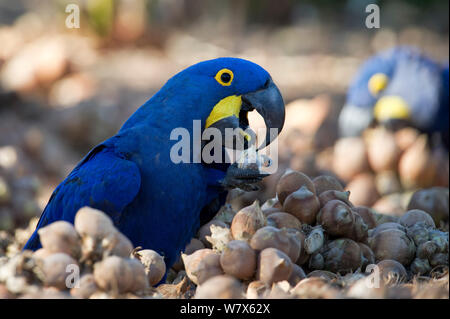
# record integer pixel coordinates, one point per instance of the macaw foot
(242, 178)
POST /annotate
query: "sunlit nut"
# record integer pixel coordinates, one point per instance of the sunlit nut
(99, 237)
(41, 253)
(365, 289)
(113, 274)
(292, 181)
(220, 237)
(60, 237)
(117, 244)
(273, 266)
(92, 222)
(194, 244)
(257, 290)
(220, 287)
(85, 287)
(280, 290)
(205, 230)
(154, 265)
(140, 278)
(247, 221)
(202, 265)
(238, 259)
(303, 204)
(56, 268)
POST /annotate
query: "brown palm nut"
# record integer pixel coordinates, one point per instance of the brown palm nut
(60, 237)
(393, 244)
(292, 181)
(326, 196)
(220, 287)
(283, 220)
(273, 266)
(238, 259)
(247, 221)
(325, 183)
(414, 216)
(303, 204)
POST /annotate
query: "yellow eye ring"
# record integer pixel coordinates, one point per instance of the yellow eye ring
(377, 83)
(224, 77)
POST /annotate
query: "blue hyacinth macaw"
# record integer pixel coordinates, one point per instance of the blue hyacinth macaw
(157, 203)
(399, 85)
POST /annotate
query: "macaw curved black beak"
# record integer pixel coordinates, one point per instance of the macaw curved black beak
(269, 103)
(232, 111)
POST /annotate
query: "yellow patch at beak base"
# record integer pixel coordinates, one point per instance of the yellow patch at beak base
(391, 107)
(229, 106)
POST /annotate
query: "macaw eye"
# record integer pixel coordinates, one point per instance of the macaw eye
(224, 77)
(378, 83)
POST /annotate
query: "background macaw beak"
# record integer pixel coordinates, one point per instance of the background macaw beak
(269, 103)
(392, 112)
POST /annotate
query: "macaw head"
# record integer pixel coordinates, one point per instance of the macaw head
(399, 86)
(220, 93)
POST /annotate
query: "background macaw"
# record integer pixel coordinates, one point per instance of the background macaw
(398, 85)
(156, 203)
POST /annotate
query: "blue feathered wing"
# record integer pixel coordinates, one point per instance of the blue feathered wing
(102, 180)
